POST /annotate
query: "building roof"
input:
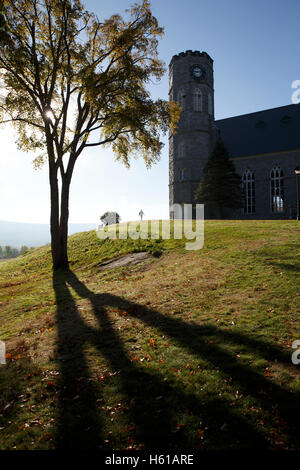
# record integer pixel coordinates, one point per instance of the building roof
(268, 131)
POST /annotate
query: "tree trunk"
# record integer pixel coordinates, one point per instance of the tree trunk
(59, 223)
(54, 217)
(64, 218)
(60, 213)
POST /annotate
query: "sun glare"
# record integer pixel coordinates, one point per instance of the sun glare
(48, 114)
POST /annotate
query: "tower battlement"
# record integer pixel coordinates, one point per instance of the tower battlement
(191, 53)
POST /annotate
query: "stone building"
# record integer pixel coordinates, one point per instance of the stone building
(264, 146)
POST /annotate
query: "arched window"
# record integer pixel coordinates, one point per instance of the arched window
(249, 192)
(181, 98)
(210, 104)
(181, 174)
(277, 190)
(197, 100)
(181, 149)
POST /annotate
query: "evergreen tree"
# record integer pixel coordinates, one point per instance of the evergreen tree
(220, 185)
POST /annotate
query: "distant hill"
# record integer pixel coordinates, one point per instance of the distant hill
(17, 234)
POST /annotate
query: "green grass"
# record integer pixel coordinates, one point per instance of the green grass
(191, 349)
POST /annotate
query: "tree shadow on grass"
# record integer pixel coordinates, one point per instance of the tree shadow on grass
(294, 266)
(81, 420)
(15, 393)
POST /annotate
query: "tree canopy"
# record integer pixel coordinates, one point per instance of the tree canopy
(56, 56)
(71, 81)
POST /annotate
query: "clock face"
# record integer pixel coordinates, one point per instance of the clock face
(197, 72)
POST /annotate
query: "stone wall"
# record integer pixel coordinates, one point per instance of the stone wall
(262, 166)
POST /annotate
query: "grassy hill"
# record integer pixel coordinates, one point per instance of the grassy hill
(191, 349)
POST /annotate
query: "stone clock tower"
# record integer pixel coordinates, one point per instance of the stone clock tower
(191, 85)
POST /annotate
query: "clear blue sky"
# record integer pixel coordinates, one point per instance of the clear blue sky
(256, 48)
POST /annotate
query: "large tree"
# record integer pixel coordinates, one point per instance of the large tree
(220, 187)
(72, 82)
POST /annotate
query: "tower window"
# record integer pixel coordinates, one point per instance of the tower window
(181, 99)
(210, 104)
(277, 190)
(249, 192)
(181, 174)
(197, 100)
(181, 149)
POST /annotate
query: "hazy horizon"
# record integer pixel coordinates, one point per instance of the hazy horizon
(17, 234)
